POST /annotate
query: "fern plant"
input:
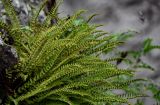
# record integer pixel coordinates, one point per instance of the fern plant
(59, 64)
(133, 60)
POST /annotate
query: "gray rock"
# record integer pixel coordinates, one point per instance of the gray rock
(8, 56)
(1, 41)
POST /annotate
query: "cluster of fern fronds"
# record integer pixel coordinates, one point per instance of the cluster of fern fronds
(59, 64)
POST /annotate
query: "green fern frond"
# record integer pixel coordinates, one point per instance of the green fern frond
(11, 13)
(4, 26)
(58, 63)
(35, 16)
(91, 17)
(52, 14)
(132, 96)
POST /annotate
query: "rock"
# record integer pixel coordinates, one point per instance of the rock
(8, 56)
(1, 42)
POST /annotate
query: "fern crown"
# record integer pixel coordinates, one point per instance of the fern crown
(59, 63)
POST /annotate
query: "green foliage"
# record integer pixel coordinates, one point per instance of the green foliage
(134, 60)
(11, 13)
(148, 46)
(58, 64)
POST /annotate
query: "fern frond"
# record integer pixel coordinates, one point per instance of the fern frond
(35, 16)
(90, 17)
(52, 14)
(63, 25)
(4, 26)
(132, 96)
(59, 64)
(11, 12)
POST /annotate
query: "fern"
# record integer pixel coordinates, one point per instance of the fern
(11, 13)
(58, 65)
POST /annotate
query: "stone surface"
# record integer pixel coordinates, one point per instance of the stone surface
(8, 58)
(8, 55)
